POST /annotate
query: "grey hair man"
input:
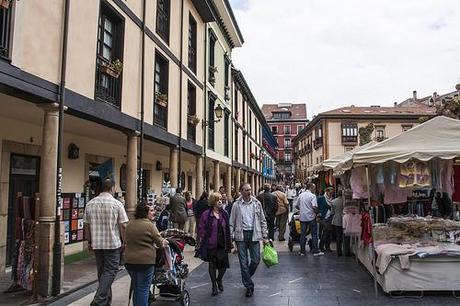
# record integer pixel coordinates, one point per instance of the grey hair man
(248, 227)
(308, 207)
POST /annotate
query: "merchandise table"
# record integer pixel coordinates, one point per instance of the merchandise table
(437, 273)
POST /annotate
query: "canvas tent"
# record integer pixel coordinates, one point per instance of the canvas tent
(436, 138)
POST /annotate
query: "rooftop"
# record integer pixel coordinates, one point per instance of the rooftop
(298, 111)
(383, 111)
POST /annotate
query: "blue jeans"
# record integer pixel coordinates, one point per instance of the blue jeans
(141, 281)
(314, 235)
(248, 269)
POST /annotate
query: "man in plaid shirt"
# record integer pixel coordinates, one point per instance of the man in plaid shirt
(105, 221)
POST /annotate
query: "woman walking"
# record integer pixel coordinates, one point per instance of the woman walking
(190, 224)
(214, 234)
(140, 252)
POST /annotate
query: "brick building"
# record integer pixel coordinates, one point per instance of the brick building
(285, 120)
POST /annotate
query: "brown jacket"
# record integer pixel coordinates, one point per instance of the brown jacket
(282, 201)
(141, 235)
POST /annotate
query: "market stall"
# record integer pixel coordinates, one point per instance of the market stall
(417, 252)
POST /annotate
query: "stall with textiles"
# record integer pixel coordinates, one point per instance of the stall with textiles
(406, 183)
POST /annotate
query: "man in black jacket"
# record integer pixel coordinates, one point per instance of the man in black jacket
(270, 207)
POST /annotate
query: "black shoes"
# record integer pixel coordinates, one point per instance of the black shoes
(220, 285)
(214, 290)
(249, 292)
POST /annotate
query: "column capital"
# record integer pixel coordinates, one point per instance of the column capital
(133, 133)
(50, 107)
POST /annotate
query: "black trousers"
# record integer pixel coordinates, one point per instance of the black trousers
(271, 227)
(347, 245)
(339, 239)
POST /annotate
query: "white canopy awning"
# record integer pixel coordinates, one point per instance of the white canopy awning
(343, 161)
(436, 138)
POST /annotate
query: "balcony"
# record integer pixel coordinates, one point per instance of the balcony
(349, 140)
(317, 143)
(108, 85)
(160, 110)
(191, 128)
(5, 25)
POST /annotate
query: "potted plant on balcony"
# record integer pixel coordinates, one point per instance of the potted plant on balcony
(213, 69)
(193, 119)
(113, 69)
(161, 99)
(252, 155)
(5, 4)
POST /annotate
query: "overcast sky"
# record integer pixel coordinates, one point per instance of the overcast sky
(333, 53)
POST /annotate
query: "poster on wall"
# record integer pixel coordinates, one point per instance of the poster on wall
(73, 209)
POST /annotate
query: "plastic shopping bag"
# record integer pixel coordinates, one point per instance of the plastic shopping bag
(269, 256)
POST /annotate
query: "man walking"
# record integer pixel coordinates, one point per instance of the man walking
(282, 212)
(177, 206)
(105, 221)
(290, 194)
(308, 207)
(248, 227)
(270, 207)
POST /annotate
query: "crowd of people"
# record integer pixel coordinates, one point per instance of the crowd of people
(220, 223)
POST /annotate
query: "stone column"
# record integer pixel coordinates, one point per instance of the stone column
(48, 167)
(254, 190)
(131, 175)
(216, 180)
(238, 179)
(245, 176)
(229, 181)
(199, 188)
(173, 167)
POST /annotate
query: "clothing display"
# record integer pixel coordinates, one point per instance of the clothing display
(351, 224)
(414, 174)
(358, 183)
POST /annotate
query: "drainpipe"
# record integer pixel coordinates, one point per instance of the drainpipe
(141, 142)
(57, 252)
(180, 92)
(205, 92)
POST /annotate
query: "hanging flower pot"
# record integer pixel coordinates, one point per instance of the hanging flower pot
(193, 119)
(161, 99)
(5, 4)
(113, 69)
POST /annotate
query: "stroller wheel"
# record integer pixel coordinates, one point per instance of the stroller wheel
(290, 245)
(185, 300)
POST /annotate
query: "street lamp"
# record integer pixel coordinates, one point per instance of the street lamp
(218, 113)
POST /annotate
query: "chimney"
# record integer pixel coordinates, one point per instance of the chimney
(395, 104)
(414, 95)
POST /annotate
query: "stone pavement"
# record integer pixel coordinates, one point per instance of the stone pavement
(308, 280)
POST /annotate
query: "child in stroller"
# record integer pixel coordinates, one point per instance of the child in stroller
(171, 270)
(294, 231)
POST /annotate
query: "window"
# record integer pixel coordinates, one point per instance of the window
(236, 144)
(299, 128)
(287, 142)
(274, 129)
(244, 111)
(227, 77)
(287, 129)
(318, 142)
(250, 123)
(192, 43)
(380, 133)
(282, 115)
(349, 133)
(211, 125)
(226, 130)
(287, 156)
(109, 49)
(5, 31)
(244, 148)
(406, 127)
(191, 111)
(235, 108)
(349, 148)
(163, 16)
(212, 50)
(160, 108)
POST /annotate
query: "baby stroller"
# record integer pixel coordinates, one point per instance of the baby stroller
(171, 270)
(294, 231)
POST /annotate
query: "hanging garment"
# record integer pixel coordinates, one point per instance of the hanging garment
(414, 174)
(366, 229)
(447, 177)
(395, 195)
(358, 183)
(351, 224)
